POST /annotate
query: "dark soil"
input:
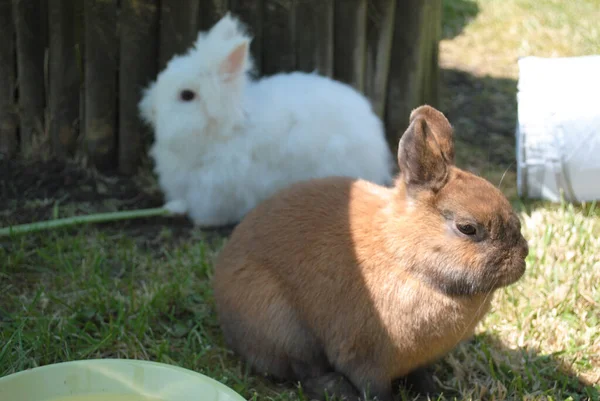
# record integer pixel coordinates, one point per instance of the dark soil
(30, 191)
(22, 182)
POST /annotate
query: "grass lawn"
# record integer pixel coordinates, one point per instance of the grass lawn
(141, 289)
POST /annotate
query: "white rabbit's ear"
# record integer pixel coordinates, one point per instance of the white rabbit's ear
(226, 28)
(235, 62)
(146, 106)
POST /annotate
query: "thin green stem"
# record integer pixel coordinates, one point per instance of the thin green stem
(78, 220)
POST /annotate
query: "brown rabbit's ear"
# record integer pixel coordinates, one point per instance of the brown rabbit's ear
(426, 150)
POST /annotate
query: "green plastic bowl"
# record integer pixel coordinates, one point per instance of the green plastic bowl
(113, 380)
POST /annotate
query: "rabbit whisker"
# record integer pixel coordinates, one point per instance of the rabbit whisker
(504, 174)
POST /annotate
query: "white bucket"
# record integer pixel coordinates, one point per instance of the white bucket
(558, 129)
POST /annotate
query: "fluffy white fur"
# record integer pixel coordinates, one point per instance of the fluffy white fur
(240, 140)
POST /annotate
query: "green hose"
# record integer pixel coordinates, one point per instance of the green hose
(77, 220)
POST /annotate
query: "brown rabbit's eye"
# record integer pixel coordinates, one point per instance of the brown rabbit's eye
(187, 95)
(466, 229)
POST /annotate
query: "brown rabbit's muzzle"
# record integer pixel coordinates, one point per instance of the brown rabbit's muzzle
(512, 267)
(518, 260)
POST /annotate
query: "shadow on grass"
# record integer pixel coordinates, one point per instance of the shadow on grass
(456, 15)
(483, 111)
(481, 369)
(484, 369)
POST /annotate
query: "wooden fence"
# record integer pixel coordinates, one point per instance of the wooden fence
(71, 78)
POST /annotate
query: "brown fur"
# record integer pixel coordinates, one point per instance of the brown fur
(347, 286)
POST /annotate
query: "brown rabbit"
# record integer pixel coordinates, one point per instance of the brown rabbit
(346, 286)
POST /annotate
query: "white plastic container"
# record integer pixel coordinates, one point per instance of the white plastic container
(558, 128)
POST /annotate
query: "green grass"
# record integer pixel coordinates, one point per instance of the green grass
(504, 30)
(104, 291)
(93, 294)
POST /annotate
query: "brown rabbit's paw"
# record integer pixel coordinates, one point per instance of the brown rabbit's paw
(331, 386)
(316, 365)
(420, 381)
(372, 382)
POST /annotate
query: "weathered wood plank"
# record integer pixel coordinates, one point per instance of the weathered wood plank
(45, 40)
(279, 50)
(138, 66)
(64, 78)
(213, 10)
(350, 35)
(251, 14)
(30, 71)
(431, 94)
(425, 52)
(79, 12)
(380, 30)
(45, 22)
(405, 79)
(101, 57)
(8, 118)
(178, 28)
(314, 36)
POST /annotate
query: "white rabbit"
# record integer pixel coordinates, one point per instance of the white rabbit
(224, 141)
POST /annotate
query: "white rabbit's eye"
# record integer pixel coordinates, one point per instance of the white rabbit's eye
(466, 229)
(187, 95)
